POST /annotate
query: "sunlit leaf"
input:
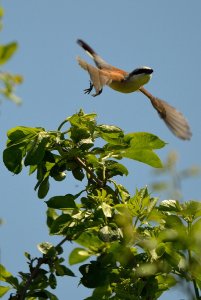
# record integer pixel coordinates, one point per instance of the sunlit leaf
(170, 205)
(45, 247)
(144, 140)
(78, 255)
(7, 51)
(1, 12)
(109, 234)
(195, 237)
(124, 194)
(143, 155)
(141, 148)
(89, 239)
(107, 209)
(21, 132)
(6, 276)
(4, 273)
(4, 290)
(191, 210)
(109, 133)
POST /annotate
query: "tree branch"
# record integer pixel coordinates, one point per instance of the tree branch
(34, 273)
(91, 173)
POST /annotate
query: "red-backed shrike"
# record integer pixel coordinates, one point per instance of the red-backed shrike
(125, 82)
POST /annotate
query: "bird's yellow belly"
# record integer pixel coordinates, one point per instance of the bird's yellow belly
(131, 85)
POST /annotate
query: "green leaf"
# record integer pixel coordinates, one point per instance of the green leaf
(191, 210)
(60, 224)
(46, 247)
(27, 255)
(19, 139)
(141, 204)
(7, 51)
(107, 210)
(60, 202)
(170, 205)
(109, 234)
(143, 155)
(78, 174)
(21, 132)
(90, 240)
(165, 281)
(114, 168)
(52, 281)
(1, 12)
(78, 255)
(51, 216)
(122, 191)
(195, 238)
(4, 273)
(141, 148)
(8, 277)
(12, 157)
(82, 119)
(4, 290)
(172, 221)
(62, 270)
(93, 160)
(144, 140)
(83, 126)
(43, 188)
(32, 169)
(111, 134)
(93, 274)
(37, 152)
(86, 144)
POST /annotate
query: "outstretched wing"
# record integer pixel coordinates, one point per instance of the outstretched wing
(98, 77)
(100, 63)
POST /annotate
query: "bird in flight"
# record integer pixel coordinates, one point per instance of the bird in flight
(105, 74)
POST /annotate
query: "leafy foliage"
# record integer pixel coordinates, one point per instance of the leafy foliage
(129, 246)
(8, 81)
(35, 147)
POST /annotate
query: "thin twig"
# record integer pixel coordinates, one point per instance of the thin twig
(41, 261)
(91, 173)
(62, 242)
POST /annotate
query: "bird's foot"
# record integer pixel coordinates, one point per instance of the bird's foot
(99, 92)
(88, 91)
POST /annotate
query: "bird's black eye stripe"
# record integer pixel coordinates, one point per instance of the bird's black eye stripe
(139, 71)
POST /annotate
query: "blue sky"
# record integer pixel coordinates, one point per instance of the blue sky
(164, 35)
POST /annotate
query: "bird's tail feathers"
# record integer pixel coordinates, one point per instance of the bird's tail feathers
(174, 119)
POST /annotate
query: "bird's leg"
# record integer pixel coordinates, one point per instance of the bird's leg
(88, 91)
